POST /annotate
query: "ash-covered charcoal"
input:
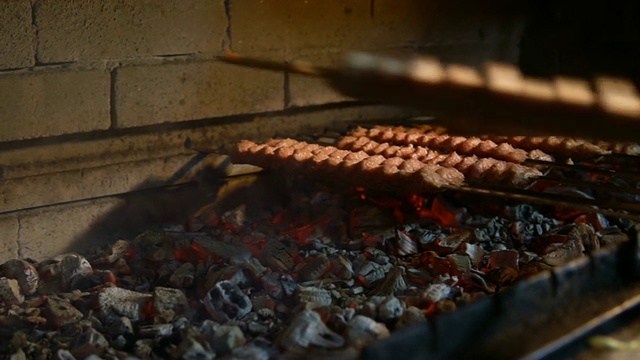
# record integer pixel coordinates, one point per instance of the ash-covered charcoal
(115, 302)
(75, 271)
(404, 245)
(23, 272)
(89, 342)
(59, 312)
(154, 246)
(362, 330)
(223, 339)
(410, 317)
(117, 251)
(307, 329)
(184, 276)
(341, 267)
(221, 249)
(168, 299)
(315, 268)
(226, 301)
(10, 292)
(393, 283)
(311, 297)
(279, 255)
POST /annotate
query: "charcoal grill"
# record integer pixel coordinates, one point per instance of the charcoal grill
(550, 315)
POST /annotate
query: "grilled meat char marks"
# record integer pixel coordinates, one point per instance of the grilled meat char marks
(445, 143)
(474, 168)
(358, 167)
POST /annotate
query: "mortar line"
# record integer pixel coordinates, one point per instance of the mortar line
(112, 99)
(18, 242)
(372, 8)
(36, 35)
(227, 39)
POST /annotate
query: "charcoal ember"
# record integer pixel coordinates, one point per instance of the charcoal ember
(403, 244)
(90, 342)
(502, 276)
(10, 292)
(452, 242)
(184, 276)
(143, 348)
(341, 267)
(367, 219)
(611, 236)
(377, 255)
(462, 262)
(586, 235)
(307, 329)
(222, 338)
(315, 268)
(156, 331)
(474, 252)
(120, 267)
(236, 275)
(471, 278)
(118, 250)
(257, 329)
(205, 218)
(279, 286)
(63, 354)
(502, 259)
(410, 317)
(253, 351)
(170, 299)
(154, 246)
(226, 301)
(221, 249)
(192, 349)
(279, 255)
(436, 292)
(369, 272)
(560, 253)
(120, 326)
(23, 272)
(235, 219)
(362, 330)
(389, 309)
(115, 302)
(445, 305)
(311, 297)
(60, 312)
(393, 283)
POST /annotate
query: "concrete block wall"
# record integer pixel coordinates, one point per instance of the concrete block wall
(102, 98)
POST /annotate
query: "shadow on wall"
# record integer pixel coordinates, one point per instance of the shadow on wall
(155, 209)
(582, 38)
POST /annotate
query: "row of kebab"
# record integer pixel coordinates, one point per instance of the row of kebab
(322, 275)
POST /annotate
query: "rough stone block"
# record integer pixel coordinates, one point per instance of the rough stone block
(17, 35)
(403, 22)
(260, 27)
(9, 239)
(51, 231)
(171, 92)
(53, 102)
(327, 25)
(71, 30)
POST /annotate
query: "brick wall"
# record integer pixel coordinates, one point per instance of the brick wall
(98, 98)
